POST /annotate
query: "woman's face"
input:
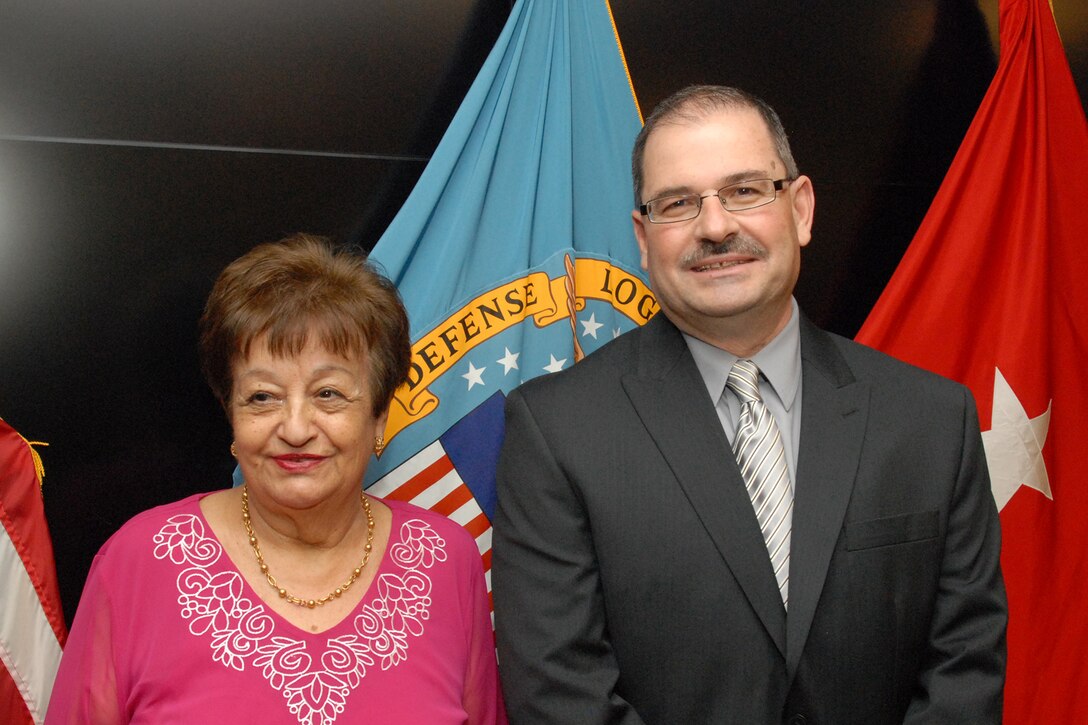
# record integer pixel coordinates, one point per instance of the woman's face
(304, 425)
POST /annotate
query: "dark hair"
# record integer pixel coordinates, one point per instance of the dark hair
(696, 102)
(298, 287)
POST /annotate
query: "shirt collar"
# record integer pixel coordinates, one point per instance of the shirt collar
(779, 361)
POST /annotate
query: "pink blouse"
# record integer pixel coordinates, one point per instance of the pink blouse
(168, 631)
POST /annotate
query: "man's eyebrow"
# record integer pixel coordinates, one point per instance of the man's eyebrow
(733, 178)
(673, 191)
(746, 175)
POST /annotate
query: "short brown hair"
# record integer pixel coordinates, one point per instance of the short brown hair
(296, 287)
(695, 102)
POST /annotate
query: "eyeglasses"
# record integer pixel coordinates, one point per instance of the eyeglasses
(741, 196)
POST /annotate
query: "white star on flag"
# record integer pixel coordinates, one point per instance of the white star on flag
(474, 376)
(509, 361)
(555, 365)
(590, 326)
(1014, 445)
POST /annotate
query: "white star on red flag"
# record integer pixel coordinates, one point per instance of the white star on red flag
(1014, 445)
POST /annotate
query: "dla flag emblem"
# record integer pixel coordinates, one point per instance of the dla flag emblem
(536, 323)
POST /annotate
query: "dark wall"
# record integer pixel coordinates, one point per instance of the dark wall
(145, 145)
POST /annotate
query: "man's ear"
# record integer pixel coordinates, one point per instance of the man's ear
(639, 222)
(803, 200)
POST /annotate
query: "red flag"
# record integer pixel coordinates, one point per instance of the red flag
(990, 293)
(31, 626)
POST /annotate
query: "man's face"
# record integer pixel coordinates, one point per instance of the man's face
(723, 271)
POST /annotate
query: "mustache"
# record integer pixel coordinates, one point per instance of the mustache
(736, 244)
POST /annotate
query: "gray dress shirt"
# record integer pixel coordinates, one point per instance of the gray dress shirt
(780, 383)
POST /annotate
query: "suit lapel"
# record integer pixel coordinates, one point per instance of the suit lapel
(670, 399)
(834, 413)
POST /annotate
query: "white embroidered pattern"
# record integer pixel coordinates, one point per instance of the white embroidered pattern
(315, 684)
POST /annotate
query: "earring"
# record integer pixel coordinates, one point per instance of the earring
(233, 450)
(379, 445)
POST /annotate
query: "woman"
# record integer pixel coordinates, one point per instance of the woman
(295, 598)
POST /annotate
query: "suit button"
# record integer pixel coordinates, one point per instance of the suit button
(797, 720)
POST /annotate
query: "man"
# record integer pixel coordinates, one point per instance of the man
(646, 572)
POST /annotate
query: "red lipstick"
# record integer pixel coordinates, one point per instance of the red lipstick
(298, 462)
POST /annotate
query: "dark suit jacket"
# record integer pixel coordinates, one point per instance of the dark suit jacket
(632, 585)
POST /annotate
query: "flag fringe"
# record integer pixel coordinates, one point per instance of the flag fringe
(39, 467)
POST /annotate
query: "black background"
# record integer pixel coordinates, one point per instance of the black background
(144, 145)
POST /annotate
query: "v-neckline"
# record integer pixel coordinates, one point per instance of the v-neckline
(226, 563)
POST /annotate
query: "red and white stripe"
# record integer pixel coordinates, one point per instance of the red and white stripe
(32, 628)
(429, 480)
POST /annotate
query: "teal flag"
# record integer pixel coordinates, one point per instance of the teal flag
(514, 253)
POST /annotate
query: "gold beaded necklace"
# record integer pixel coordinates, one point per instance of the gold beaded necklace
(290, 598)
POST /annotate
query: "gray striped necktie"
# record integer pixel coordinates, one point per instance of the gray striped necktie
(762, 461)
